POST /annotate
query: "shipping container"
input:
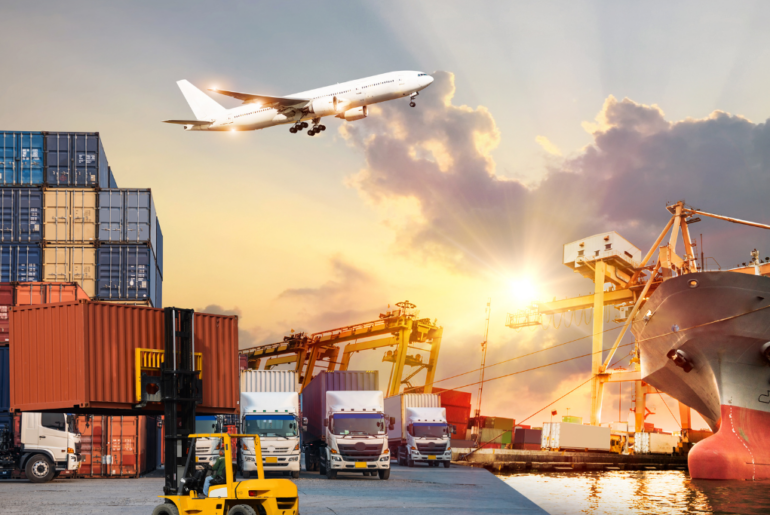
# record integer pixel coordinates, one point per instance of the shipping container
(127, 216)
(84, 356)
(572, 419)
(499, 423)
(5, 381)
(458, 408)
(75, 159)
(21, 215)
(71, 263)
(126, 272)
(313, 398)
(492, 435)
(529, 436)
(115, 446)
(70, 216)
(144, 303)
(566, 436)
(527, 446)
(20, 263)
(27, 294)
(158, 301)
(111, 180)
(159, 246)
(253, 381)
(21, 158)
(655, 443)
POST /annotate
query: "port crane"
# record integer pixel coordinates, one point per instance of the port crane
(609, 259)
(400, 327)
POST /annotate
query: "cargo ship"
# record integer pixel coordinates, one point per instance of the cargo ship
(703, 339)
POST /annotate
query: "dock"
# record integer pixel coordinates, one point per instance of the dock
(414, 491)
(511, 460)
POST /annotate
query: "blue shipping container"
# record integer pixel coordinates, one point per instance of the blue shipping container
(20, 263)
(75, 159)
(112, 183)
(159, 246)
(126, 272)
(158, 291)
(5, 380)
(21, 158)
(127, 216)
(21, 215)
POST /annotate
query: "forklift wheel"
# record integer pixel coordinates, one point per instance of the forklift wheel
(243, 509)
(168, 508)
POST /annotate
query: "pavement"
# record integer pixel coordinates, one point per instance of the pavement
(413, 491)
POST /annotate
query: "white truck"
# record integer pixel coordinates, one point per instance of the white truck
(41, 444)
(421, 433)
(207, 449)
(270, 409)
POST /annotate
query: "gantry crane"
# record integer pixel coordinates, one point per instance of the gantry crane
(608, 258)
(400, 328)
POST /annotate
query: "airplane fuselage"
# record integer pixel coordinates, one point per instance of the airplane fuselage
(346, 96)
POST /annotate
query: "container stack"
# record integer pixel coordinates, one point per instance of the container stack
(64, 219)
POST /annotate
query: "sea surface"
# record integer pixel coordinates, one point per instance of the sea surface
(637, 492)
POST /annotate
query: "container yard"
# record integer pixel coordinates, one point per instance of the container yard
(478, 287)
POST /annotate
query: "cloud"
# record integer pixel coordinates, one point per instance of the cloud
(548, 146)
(438, 157)
(247, 337)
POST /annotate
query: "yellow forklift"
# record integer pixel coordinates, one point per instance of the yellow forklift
(180, 390)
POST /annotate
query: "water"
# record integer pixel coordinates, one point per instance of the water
(642, 493)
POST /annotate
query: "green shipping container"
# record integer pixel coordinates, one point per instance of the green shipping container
(504, 423)
(572, 420)
(506, 438)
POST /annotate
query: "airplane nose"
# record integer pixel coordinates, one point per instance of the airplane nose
(428, 80)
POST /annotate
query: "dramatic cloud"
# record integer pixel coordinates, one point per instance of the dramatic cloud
(247, 337)
(438, 156)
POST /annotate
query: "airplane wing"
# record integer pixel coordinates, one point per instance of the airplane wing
(263, 99)
(188, 122)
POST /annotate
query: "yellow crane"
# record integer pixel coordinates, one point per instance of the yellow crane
(401, 328)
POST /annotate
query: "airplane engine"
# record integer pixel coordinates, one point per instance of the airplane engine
(351, 115)
(325, 106)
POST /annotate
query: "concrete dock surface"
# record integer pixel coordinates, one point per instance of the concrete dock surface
(414, 491)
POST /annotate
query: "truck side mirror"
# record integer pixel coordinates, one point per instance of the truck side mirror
(392, 420)
(326, 422)
(304, 423)
(410, 429)
(391, 427)
(454, 429)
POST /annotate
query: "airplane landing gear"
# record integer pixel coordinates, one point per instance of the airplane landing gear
(293, 130)
(412, 104)
(316, 128)
(411, 99)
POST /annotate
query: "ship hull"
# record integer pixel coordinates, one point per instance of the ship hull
(717, 320)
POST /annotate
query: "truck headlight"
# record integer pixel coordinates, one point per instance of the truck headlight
(336, 458)
(250, 459)
(294, 458)
(385, 458)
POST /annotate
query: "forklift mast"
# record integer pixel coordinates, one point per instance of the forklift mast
(181, 392)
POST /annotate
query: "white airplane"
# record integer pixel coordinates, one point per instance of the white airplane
(348, 100)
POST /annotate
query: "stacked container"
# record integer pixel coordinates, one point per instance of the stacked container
(117, 446)
(64, 219)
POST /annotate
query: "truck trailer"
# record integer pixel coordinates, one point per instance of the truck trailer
(421, 433)
(347, 429)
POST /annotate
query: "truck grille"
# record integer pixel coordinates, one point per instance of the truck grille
(277, 450)
(360, 451)
(431, 448)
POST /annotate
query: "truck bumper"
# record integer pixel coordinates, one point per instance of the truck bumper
(424, 458)
(359, 466)
(74, 461)
(282, 463)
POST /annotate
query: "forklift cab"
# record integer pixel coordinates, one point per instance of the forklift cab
(247, 497)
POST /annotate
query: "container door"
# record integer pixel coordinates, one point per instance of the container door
(29, 215)
(110, 216)
(83, 216)
(56, 225)
(7, 215)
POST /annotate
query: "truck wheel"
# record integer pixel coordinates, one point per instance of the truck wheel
(331, 473)
(409, 462)
(446, 464)
(242, 509)
(295, 474)
(246, 474)
(321, 468)
(168, 508)
(39, 469)
(384, 473)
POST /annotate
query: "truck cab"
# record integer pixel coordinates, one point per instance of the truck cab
(47, 444)
(207, 449)
(356, 434)
(427, 438)
(275, 418)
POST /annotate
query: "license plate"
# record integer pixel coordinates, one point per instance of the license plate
(271, 459)
(431, 457)
(360, 464)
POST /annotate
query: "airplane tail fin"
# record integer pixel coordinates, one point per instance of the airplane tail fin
(203, 106)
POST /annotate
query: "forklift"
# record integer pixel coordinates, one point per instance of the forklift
(180, 390)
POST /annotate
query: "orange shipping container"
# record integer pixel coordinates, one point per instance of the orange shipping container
(79, 357)
(25, 294)
(115, 446)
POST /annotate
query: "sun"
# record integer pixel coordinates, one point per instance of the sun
(523, 290)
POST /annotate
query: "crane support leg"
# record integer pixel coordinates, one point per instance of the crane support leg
(433, 360)
(597, 383)
(398, 367)
(640, 406)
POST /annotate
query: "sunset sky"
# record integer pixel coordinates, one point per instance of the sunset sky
(546, 124)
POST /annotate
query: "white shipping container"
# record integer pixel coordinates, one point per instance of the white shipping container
(253, 381)
(655, 443)
(561, 435)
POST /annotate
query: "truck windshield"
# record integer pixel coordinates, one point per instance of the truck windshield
(205, 425)
(358, 424)
(72, 426)
(425, 430)
(270, 425)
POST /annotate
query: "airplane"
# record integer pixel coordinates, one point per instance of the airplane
(347, 100)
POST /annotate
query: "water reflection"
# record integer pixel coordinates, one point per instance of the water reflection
(643, 493)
